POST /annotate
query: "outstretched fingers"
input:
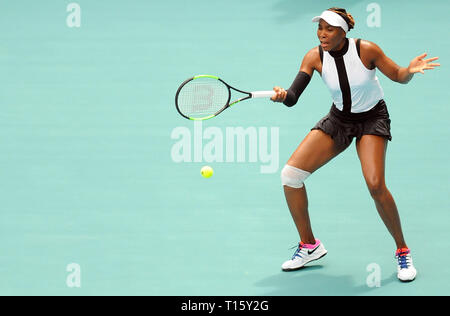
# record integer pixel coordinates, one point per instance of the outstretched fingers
(429, 62)
(430, 65)
(422, 56)
(431, 59)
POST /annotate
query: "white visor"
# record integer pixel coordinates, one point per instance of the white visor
(333, 19)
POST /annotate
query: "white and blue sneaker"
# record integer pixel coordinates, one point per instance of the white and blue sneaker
(405, 268)
(304, 254)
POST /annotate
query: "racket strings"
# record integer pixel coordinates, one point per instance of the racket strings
(202, 97)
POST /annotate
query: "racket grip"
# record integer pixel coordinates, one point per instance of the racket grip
(263, 94)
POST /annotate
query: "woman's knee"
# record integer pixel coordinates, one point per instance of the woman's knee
(377, 187)
(293, 177)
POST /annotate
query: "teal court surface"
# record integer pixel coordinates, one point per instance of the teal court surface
(100, 185)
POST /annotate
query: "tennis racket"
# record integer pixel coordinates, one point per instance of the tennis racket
(203, 97)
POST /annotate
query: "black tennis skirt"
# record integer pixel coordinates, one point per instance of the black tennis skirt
(344, 127)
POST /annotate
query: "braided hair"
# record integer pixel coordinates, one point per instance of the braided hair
(345, 15)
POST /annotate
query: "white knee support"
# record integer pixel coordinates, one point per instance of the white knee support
(293, 177)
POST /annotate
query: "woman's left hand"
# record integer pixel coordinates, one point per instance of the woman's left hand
(419, 64)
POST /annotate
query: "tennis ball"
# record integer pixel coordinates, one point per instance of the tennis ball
(207, 172)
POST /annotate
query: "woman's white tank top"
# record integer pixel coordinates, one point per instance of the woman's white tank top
(353, 87)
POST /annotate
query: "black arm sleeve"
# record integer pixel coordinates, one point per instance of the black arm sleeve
(296, 89)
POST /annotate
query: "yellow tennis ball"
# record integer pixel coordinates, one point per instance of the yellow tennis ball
(207, 172)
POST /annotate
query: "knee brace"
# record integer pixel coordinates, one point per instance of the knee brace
(293, 177)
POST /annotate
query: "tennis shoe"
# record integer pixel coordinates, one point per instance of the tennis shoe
(405, 268)
(304, 254)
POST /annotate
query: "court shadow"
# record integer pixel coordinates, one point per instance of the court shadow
(309, 281)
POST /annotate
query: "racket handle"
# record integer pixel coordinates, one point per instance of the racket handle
(263, 94)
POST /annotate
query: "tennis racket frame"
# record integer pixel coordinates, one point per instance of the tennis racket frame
(227, 105)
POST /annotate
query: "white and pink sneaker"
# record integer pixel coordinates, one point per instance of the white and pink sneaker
(405, 268)
(304, 254)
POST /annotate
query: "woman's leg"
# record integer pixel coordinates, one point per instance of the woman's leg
(315, 150)
(372, 152)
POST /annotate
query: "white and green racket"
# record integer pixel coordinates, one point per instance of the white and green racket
(204, 96)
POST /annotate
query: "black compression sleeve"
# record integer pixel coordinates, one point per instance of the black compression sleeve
(293, 93)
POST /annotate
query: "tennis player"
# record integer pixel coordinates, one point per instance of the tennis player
(347, 67)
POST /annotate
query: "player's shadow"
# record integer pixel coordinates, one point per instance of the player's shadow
(309, 281)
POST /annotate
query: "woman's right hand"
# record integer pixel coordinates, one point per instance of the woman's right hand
(280, 94)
